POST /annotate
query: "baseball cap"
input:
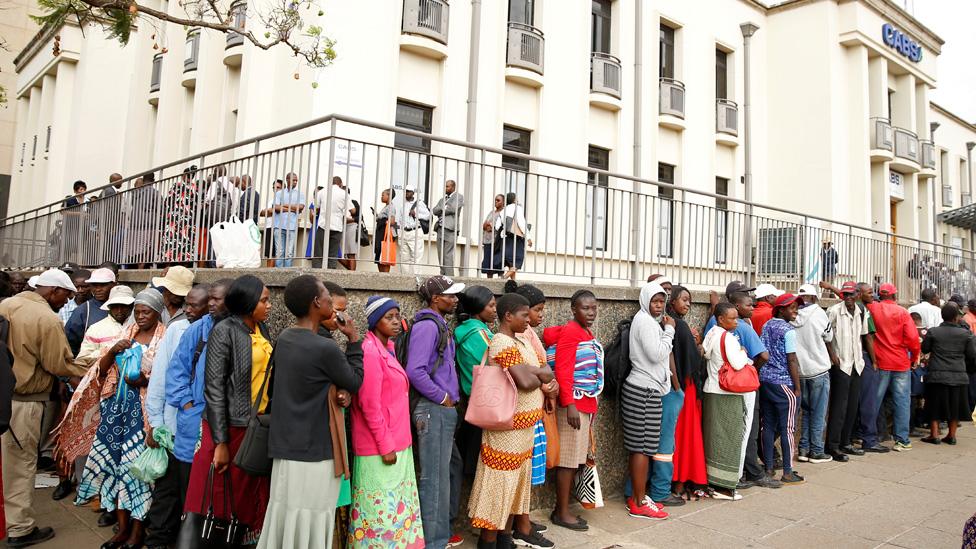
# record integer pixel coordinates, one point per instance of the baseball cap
(54, 278)
(848, 288)
(766, 290)
(411, 188)
(178, 280)
(807, 289)
(68, 267)
(120, 295)
(784, 300)
(439, 285)
(737, 286)
(101, 276)
(887, 289)
(32, 281)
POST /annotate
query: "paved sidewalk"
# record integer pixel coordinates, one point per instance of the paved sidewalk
(918, 499)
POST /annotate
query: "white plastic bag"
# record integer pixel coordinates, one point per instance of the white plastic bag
(236, 244)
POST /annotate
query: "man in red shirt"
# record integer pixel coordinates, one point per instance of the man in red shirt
(766, 294)
(897, 349)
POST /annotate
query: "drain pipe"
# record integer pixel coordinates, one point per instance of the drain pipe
(748, 29)
(635, 231)
(470, 135)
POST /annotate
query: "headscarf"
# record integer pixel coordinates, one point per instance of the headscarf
(687, 359)
(376, 307)
(150, 297)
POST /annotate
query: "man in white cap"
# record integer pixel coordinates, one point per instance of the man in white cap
(766, 295)
(175, 283)
(414, 220)
(816, 354)
(101, 283)
(80, 279)
(41, 353)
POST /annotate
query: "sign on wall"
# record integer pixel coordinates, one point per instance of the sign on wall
(896, 186)
(900, 42)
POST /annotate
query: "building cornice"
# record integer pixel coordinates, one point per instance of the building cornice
(35, 44)
(956, 118)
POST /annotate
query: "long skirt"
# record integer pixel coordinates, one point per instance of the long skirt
(248, 496)
(385, 504)
(301, 513)
(724, 429)
(689, 447)
(641, 410)
(503, 482)
(947, 402)
(119, 440)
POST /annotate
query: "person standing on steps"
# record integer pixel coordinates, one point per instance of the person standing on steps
(448, 211)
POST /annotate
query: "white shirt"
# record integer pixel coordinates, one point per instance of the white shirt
(931, 315)
(812, 330)
(520, 227)
(405, 220)
(848, 330)
(335, 216)
(713, 353)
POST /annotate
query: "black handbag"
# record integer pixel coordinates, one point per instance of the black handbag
(203, 530)
(252, 457)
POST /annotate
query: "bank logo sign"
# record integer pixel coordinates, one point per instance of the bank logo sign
(900, 42)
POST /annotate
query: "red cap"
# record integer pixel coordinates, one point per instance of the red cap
(849, 288)
(784, 300)
(887, 289)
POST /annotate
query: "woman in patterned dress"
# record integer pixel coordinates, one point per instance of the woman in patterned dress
(503, 481)
(121, 434)
(180, 232)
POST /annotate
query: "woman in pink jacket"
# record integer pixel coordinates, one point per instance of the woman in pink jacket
(385, 507)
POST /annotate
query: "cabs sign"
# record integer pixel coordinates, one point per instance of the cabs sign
(900, 42)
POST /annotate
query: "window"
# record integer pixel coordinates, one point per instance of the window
(721, 74)
(191, 51)
(600, 27)
(946, 186)
(721, 220)
(667, 52)
(238, 12)
(522, 11)
(596, 199)
(516, 169)
(47, 140)
(157, 73)
(665, 211)
(411, 163)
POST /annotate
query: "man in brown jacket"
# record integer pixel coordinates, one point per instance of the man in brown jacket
(41, 352)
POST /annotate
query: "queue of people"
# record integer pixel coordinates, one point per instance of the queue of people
(193, 371)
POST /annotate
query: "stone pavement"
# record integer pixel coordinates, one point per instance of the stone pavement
(919, 499)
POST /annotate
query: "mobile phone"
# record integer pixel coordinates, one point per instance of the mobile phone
(340, 318)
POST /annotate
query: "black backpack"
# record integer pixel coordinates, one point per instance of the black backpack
(616, 361)
(7, 379)
(402, 343)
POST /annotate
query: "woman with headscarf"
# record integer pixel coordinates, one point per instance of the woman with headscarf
(123, 374)
(689, 448)
(386, 506)
(237, 359)
(476, 317)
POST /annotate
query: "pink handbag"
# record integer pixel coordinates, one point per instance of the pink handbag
(494, 398)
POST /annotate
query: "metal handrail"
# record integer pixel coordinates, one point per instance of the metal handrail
(673, 82)
(605, 57)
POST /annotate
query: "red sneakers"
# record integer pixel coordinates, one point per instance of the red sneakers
(647, 510)
(455, 541)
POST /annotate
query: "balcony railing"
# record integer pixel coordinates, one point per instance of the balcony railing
(526, 47)
(882, 135)
(928, 154)
(157, 73)
(605, 74)
(239, 11)
(427, 18)
(906, 145)
(726, 117)
(191, 54)
(672, 97)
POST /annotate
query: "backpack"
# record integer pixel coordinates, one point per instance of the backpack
(7, 379)
(222, 206)
(616, 364)
(402, 343)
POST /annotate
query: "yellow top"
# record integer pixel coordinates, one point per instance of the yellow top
(260, 355)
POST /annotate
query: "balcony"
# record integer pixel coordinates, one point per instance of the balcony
(425, 25)
(525, 55)
(672, 104)
(605, 81)
(155, 79)
(191, 55)
(726, 122)
(928, 159)
(234, 46)
(907, 154)
(882, 140)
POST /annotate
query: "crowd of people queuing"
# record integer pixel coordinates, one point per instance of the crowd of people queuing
(161, 225)
(101, 375)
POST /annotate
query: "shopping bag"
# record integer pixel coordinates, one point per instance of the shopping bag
(587, 486)
(236, 244)
(204, 530)
(388, 249)
(151, 463)
(494, 398)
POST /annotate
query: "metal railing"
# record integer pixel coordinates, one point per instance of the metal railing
(605, 74)
(239, 11)
(427, 18)
(928, 154)
(882, 137)
(906, 145)
(191, 53)
(672, 97)
(526, 47)
(569, 223)
(726, 117)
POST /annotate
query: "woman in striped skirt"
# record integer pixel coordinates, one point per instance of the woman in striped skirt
(641, 406)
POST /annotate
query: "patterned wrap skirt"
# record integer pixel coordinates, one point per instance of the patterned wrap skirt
(385, 504)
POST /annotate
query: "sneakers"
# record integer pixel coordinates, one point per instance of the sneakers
(37, 535)
(536, 527)
(767, 481)
(455, 541)
(803, 455)
(902, 446)
(647, 510)
(792, 479)
(852, 451)
(876, 449)
(837, 455)
(534, 539)
(745, 484)
(820, 458)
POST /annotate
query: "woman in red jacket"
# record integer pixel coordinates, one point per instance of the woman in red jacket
(578, 365)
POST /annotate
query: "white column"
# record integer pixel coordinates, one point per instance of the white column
(58, 178)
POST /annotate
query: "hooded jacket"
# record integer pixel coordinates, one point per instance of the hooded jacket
(650, 346)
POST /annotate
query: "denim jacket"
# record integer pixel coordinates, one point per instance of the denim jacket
(182, 388)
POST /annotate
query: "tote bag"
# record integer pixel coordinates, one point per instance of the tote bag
(586, 487)
(388, 248)
(236, 244)
(745, 380)
(204, 530)
(493, 398)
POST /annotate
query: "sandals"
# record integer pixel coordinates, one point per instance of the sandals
(580, 525)
(931, 440)
(736, 496)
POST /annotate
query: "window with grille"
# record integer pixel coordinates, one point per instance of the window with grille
(665, 211)
(721, 220)
(596, 199)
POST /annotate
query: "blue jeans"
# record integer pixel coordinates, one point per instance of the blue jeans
(900, 384)
(662, 466)
(435, 425)
(284, 241)
(814, 397)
